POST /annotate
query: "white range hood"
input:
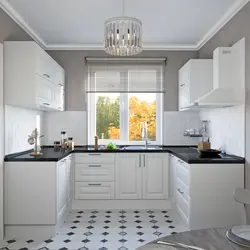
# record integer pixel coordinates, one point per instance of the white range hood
(228, 78)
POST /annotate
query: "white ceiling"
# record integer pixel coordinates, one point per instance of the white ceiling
(80, 22)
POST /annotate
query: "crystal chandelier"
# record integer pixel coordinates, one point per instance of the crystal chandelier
(123, 35)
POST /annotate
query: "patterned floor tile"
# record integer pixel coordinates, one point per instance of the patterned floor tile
(106, 230)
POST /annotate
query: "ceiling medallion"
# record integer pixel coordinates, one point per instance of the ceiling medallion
(123, 36)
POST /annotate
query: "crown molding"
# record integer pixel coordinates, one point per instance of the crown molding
(100, 47)
(6, 6)
(235, 8)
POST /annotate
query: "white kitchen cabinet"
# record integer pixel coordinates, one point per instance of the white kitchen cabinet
(195, 80)
(128, 177)
(172, 179)
(141, 176)
(155, 176)
(32, 79)
(62, 186)
(204, 193)
(36, 193)
(94, 176)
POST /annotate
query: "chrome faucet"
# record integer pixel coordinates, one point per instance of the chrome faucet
(144, 132)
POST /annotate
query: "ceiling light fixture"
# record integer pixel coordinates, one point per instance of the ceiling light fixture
(123, 35)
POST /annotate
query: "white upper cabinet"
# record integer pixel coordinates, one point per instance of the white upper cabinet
(32, 79)
(195, 80)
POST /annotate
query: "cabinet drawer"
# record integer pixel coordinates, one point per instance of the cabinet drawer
(94, 190)
(95, 158)
(182, 189)
(94, 172)
(182, 206)
(183, 172)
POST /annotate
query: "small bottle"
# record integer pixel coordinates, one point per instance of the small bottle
(96, 142)
(71, 143)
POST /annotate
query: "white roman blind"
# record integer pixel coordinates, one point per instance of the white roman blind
(125, 75)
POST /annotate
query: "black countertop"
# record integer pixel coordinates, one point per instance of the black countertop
(185, 153)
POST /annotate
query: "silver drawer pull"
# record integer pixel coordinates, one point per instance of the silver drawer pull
(47, 104)
(95, 154)
(179, 190)
(95, 166)
(60, 84)
(180, 161)
(94, 184)
(46, 75)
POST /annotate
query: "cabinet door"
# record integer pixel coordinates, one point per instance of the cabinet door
(155, 176)
(172, 167)
(58, 97)
(128, 176)
(44, 91)
(184, 85)
(69, 179)
(61, 187)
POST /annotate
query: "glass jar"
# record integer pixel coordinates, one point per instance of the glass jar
(64, 139)
(71, 143)
(57, 144)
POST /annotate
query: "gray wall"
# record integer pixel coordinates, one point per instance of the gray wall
(73, 62)
(10, 30)
(234, 30)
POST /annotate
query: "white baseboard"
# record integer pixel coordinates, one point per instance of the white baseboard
(37, 232)
(121, 204)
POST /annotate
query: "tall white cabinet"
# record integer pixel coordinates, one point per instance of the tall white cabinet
(32, 79)
(142, 176)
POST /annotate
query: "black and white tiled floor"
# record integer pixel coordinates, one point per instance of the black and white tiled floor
(105, 229)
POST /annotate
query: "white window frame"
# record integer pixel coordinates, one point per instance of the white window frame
(124, 124)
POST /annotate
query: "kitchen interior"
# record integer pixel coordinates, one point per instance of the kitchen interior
(120, 136)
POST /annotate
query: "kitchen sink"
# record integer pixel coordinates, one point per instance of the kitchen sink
(141, 148)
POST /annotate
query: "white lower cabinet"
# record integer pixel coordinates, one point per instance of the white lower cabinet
(36, 193)
(204, 193)
(141, 176)
(94, 176)
(128, 179)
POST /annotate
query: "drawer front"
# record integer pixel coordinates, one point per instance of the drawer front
(182, 189)
(94, 190)
(182, 205)
(94, 172)
(95, 158)
(183, 172)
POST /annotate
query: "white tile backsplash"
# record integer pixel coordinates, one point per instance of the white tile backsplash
(74, 122)
(174, 124)
(227, 128)
(19, 123)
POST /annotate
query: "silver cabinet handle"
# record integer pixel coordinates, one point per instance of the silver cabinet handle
(179, 190)
(47, 104)
(182, 85)
(171, 156)
(46, 75)
(94, 184)
(95, 166)
(139, 160)
(180, 161)
(60, 84)
(144, 160)
(95, 154)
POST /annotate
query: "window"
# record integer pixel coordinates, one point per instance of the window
(119, 100)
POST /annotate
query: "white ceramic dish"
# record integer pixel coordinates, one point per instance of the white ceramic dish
(235, 239)
(242, 232)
